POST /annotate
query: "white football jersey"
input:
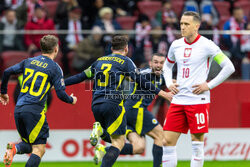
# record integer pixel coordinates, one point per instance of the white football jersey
(193, 64)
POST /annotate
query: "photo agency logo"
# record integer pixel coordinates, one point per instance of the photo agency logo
(120, 85)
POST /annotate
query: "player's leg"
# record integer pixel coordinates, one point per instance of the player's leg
(36, 155)
(113, 152)
(38, 131)
(198, 123)
(157, 135)
(112, 118)
(152, 128)
(137, 142)
(20, 148)
(175, 124)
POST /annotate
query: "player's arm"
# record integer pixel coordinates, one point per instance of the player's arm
(59, 85)
(168, 72)
(75, 79)
(227, 69)
(16, 69)
(144, 83)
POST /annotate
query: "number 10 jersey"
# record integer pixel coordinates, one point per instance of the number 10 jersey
(193, 64)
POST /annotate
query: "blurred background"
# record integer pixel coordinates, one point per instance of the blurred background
(85, 28)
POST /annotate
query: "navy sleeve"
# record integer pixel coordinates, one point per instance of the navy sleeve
(16, 69)
(62, 95)
(58, 82)
(137, 77)
(163, 81)
(75, 79)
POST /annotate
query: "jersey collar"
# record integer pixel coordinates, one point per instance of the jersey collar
(196, 39)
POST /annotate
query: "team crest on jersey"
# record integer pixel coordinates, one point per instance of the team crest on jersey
(62, 82)
(187, 52)
(154, 121)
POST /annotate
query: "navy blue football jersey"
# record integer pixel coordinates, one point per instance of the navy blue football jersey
(110, 72)
(39, 75)
(147, 96)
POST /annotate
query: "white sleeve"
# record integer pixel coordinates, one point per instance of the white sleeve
(213, 49)
(168, 66)
(227, 69)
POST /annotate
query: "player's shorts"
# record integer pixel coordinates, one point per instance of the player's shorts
(31, 126)
(111, 116)
(140, 120)
(181, 118)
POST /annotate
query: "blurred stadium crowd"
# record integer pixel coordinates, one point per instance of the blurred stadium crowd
(103, 17)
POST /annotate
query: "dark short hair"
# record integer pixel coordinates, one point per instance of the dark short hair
(48, 43)
(119, 42)
(158, 54)
(196, 16)
(237, 8)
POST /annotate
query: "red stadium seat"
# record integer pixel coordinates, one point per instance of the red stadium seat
(222, 7)
(222, 21)
(177, 6)
(127, 22)
(51, 7)
(10, 58)
(149, 8)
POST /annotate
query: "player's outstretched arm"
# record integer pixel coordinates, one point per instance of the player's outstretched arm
(166, 95)
(4, 98)
(78, 78)
(62, 95)
(74, 99)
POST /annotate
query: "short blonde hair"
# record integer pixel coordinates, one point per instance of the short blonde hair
(105, 10)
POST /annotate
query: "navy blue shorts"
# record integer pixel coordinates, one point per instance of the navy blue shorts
(111, 116)
(31, 126)
(140, 120)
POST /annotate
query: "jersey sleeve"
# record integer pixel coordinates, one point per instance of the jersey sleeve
(137, 77)
(15, 69)
(57, 79)
(170, 55)
(59, 85)
(75, 79)
(213, 49)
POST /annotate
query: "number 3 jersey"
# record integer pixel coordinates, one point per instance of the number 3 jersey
(193, 64)
(109, 72)
(39, 75)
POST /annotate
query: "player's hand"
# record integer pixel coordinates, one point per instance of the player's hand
(200, 88)
(4, 99)
(74, 98)
(166, 95)
(173, 88)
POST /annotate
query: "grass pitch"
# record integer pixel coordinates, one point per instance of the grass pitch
(139, 164)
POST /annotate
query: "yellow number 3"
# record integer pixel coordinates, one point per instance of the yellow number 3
(106, 74)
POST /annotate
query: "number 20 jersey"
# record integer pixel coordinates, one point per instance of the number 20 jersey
(39, 75)
(193, 64)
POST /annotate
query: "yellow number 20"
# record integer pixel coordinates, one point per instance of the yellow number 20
(106, 74)
(25, 89)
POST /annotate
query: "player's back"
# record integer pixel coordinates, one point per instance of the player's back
(38, 73)
(109, 72)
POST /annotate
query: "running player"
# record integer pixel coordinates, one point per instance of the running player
(189, 108)
(39, 74)
(107, 101)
